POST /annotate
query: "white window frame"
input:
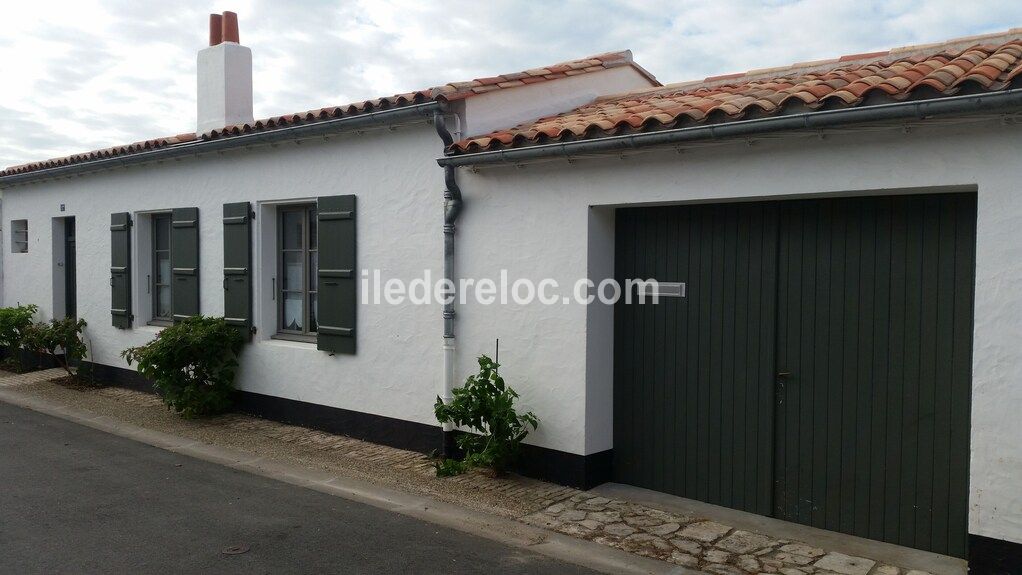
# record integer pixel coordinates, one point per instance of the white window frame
(308, 289)
(19, 236)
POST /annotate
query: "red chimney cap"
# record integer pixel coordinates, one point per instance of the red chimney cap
(230, 28)
(223, 28)
(216, 35)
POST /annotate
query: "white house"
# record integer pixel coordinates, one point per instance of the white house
(152, 223)
(837, 245)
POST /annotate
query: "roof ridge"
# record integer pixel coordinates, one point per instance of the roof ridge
(595, 63)
(958, 45)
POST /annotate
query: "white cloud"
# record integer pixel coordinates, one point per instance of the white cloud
(86, 74)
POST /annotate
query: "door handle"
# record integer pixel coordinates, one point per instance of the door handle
(781, 381)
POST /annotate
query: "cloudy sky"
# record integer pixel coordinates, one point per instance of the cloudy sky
(86, 74)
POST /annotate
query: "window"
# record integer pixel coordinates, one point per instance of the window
(160, 278)
(19, 236)
(298, 263)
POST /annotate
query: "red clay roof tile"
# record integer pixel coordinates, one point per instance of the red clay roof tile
(992, 62)
(101, 154)
(450, 91)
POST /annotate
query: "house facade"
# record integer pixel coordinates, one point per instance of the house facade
(836, 245)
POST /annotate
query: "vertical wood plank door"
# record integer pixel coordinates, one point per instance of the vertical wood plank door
(875, 327)
(693, 396)
(818, 368)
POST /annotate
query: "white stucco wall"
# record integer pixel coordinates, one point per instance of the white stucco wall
(399, 187)
(537, 221)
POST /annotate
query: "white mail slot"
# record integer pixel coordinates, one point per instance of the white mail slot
(663, 289)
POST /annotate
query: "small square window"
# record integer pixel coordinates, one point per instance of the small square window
(19, 236)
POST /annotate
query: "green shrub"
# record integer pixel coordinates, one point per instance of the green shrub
(192, 365)
(486, 406)
(61, 338)
(13, 323)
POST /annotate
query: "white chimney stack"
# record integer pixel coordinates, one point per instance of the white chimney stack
(225, 77)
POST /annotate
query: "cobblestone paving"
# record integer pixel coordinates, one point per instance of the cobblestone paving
(692, 542)
(11, 379)
(696, 542)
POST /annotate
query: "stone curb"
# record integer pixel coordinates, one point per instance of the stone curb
(502, 530)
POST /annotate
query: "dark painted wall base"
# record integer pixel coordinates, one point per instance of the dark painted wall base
(120, 377)
(375, 428)
(31, 359)
(580, 471)
(989, 556)
(569, 469)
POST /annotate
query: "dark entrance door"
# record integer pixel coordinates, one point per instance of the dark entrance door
(875, 328)
(70, 269)
(818, 369)
(694, 376)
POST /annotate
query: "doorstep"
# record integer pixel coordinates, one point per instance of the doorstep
(659, 533)
(885, 553)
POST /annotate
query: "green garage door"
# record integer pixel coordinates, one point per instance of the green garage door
(818, 368)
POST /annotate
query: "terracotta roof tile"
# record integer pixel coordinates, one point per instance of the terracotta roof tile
(990, 62)
(459, 90)
(449, 92)
(100, 154)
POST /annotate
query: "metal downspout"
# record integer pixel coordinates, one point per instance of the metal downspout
(452, 207)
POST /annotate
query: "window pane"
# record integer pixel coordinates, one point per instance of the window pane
(291, 224)
(292, 271)
(292, 312)
(313, 308)
(163, 268)
(162, 225)
(163, 301)
(313, 270)
(313, 229)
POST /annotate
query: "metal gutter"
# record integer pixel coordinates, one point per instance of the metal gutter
(320, 128)
(914, 110)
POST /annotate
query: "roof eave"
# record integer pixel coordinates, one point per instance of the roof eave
(383, 118)
(989, 102)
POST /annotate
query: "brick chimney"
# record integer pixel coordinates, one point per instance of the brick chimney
(224, 77)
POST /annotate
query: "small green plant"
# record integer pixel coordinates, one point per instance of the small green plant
(192, 365)
(61, 338)
(13, 323)
(449, 467)
(485, 405)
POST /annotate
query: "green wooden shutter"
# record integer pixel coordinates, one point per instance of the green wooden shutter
(184, 261)
(120, 269)
(238, 267)
(336, 277)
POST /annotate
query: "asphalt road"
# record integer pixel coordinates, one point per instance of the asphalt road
(77, 500)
